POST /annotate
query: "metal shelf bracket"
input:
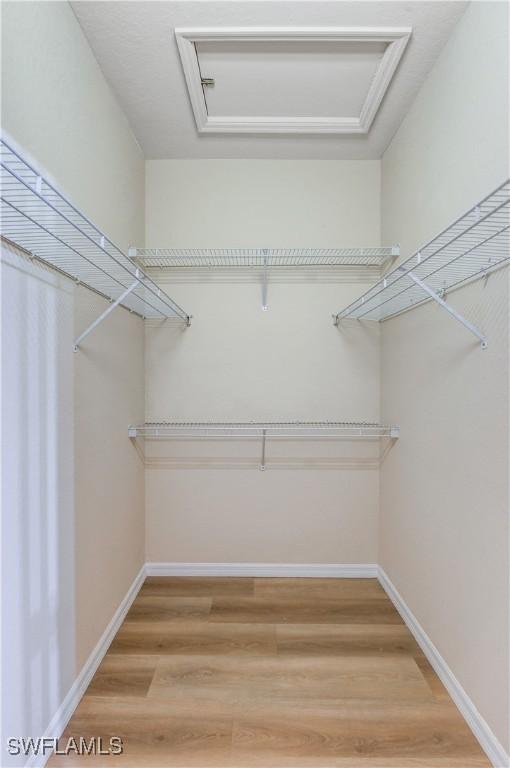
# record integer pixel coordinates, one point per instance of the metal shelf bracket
(107, 311)
(442, 303)
(264, 282)
(263, 459)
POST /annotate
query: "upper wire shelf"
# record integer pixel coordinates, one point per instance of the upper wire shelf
(41, 221)
(160, 258)
(282, 429)
(472, 247)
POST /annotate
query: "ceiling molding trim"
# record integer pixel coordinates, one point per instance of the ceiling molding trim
(396, 37)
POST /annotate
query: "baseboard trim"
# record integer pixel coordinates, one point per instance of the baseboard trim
(78, 688)
(480, 728)
(296, 570)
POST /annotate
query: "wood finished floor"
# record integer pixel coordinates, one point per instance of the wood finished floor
(232, 672)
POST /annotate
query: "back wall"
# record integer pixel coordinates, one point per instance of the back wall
(316, 502)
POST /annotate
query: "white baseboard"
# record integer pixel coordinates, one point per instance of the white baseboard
(480, 728)
(75, 693)
(296, 570)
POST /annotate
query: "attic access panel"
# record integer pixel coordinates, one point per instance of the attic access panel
(283, 80)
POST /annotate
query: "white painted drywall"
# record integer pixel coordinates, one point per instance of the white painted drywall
(444, 489)
(57, 105)
(58, 108)
(38, 526)
(262, 203)
(237, 362)
(452, 147)
(109, 484)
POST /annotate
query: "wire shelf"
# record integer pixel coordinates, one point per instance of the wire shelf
(38, 219)
(473, 246)
(160, 258)
(269, 429)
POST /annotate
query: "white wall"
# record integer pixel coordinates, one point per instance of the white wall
(38, 600)
(237, 362)
(109, 485)
(452, 147)
(444, 489)
(262, 203)
(58, 109)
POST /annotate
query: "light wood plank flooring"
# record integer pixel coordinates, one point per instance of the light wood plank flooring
(233, 672)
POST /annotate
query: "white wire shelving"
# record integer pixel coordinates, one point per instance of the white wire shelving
(162, 258)
(471, 248)
(286, 429)
(264, 430)
(37, 218)
(262, 259)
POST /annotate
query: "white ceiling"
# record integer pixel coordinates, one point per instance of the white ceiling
(135, 46)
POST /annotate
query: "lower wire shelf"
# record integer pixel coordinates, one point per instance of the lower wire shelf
(263, 430)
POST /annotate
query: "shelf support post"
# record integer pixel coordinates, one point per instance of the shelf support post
(433, 295)
(264, 283)
(105, 314)
(263, 459)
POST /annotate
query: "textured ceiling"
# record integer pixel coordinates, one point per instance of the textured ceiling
(135, 46)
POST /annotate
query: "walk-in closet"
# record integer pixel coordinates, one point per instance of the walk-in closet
(255, 383)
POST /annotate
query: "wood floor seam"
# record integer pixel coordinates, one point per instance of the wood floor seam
(269, 673)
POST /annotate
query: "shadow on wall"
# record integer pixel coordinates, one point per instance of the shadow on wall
(38, 644)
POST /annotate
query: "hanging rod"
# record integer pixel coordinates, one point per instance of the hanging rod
(163, 258)
(263, 430)
(40, 220)
(471, 248)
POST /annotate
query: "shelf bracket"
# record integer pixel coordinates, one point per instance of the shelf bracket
(263, 458)
(433, 295)
(264, 282)
(107, 311)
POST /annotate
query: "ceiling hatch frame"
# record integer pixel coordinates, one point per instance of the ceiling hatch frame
(396, 37)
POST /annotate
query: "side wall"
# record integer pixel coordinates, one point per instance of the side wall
(444, 489)
(58, 109)
(38, 526)
(208, 502)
